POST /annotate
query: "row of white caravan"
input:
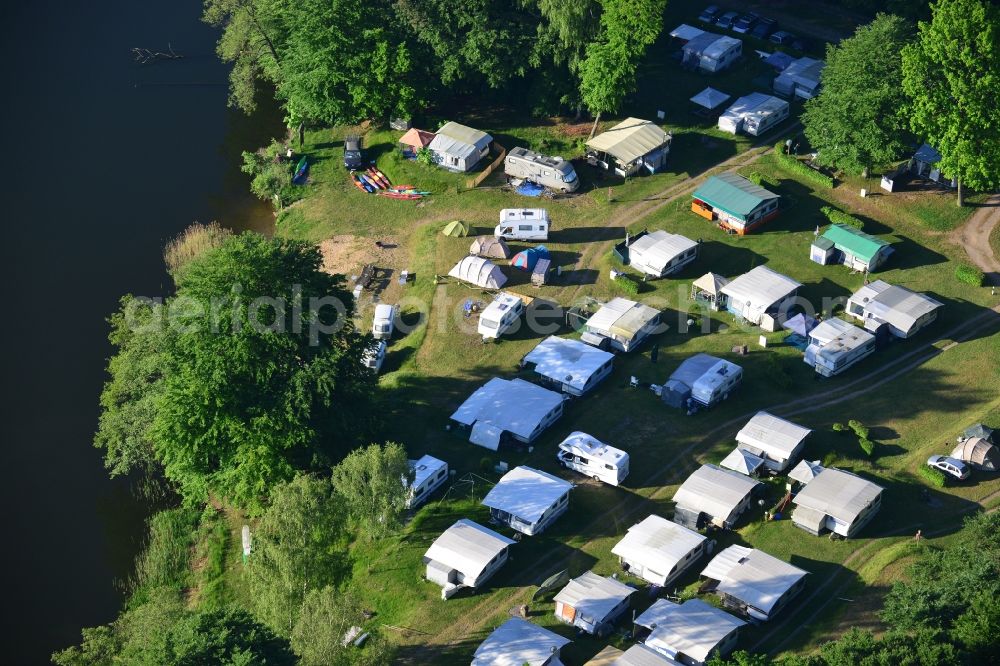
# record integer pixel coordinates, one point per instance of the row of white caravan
(750, 584)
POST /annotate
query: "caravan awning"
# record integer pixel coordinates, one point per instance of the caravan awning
(710, 98)
(629, 140)
(685, 32)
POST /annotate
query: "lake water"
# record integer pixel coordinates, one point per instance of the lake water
(105, 160)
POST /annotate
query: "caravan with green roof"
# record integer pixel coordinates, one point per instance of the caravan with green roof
(841, 244)
(737, 204)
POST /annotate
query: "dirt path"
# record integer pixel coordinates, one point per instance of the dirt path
(974, 236)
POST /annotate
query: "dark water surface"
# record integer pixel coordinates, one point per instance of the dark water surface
(103, 161)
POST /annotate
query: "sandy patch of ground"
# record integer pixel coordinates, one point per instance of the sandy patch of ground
(347, 254)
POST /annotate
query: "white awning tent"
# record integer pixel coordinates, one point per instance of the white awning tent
(685, 32)
(743, 462)
(630, 140)
(711, 283)
(518, 642)
(714, 491)
(479, 271)
(527, 493)
(710, 98)
(502, 405)
(566, 361)
(753, 577)
(467, 547)
(772, 438)
(658, 544)
(693, 628)
(805, 471)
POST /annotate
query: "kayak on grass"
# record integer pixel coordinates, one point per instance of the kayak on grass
(300, 171)
(365, 187)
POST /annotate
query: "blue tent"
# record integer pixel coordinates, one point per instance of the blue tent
(779, 60)
(800, 324)
(525, 259)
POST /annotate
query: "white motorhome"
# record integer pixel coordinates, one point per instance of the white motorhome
(384, 321)
(523, 224)
(500, 316)
(591, 457)
(429, 474)
(554, 173)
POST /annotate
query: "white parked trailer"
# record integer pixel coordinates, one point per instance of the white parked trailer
(500, 316)
(429, 474)
(591, 457)
(528, 500)
(554, 173)
(835, 345)
(621, 324)
(658, 550)
(465, 555)
(523, 224)
(570, 366)
(661, 253)
(753, 114)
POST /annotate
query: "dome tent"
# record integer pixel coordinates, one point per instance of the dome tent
(525, 259)
(479, 271)
(490, 246)
(456, 229)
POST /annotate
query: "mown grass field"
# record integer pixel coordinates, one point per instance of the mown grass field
(440, 360)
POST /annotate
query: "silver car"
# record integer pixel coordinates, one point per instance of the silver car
(950, 466)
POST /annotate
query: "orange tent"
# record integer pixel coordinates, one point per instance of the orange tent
(416, 138)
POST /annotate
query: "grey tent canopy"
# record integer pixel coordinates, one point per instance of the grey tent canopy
(479, 271)
(490, 246)
(979, 430)
(710, 98)
(979, 453)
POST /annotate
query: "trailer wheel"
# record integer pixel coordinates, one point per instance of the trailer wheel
(596, 478)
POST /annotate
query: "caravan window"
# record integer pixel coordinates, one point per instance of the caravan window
(525, 227)
(607, 466)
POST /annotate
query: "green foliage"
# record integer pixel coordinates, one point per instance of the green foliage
(191, 243)
(99, 647)
(130, 395)
(166, 558)
(839, 217)
(795, 166)
(271, 174)
(945, 584)
(739, 658)
(978, 628)
(838, 427)
(345, 61)
(755, 178)
(970, 275)
(933, 476)
(425, 157)
(608, 72)
(227, 637)
(951, 74)
(213, 539)
(326, 616)
(627, 284)
(858, 120)
(922, 648)
(859, 428)
(297, 547)
(256, 389)
(867, 446)
(369, 481)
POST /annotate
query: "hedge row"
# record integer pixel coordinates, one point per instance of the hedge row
(935, 477)
(840, 217)
(790, 163)
(969, 275)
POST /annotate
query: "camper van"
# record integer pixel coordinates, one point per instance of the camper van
(500, 315)
(591, 457)
(384, 321)
(523, 224)
(554, 173)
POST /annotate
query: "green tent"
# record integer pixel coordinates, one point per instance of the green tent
(456, 229)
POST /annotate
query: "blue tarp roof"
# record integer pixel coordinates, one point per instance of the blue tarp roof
(779, 60)
(927, 154)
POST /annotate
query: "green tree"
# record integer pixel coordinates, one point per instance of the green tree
(921, 648)
(325, 618)
(228, 637)
(608, 72)
(130, 396)
(978, 628)
(952, 74)
(297, 547)
(261, 371)
(858, 120)
(370, 481)
(563, 35)
(99, 647)
(345, 61)
(253, 34)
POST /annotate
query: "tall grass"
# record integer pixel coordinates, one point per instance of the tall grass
(193, 242)
(166, 558)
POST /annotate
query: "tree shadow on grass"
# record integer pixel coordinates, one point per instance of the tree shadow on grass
(910, 254)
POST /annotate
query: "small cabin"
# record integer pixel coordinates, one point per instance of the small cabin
(735, 203)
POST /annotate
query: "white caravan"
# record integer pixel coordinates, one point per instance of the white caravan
(523, 224)
(384, 321)
(500, 315)
(591, 457)
(554, 173)
(429, 474)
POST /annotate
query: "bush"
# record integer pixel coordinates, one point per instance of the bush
(839, 427)
(790, 163)
(755, 178)
(859, 429)
(935, 477)
(840, 217)
(628, 284)
(270, 175)
(425, 157)
(867, 445)
(969, 275)
(192, 243)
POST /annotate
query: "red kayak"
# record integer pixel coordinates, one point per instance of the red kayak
(375, 175)
(388, 183)
(397, 195)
